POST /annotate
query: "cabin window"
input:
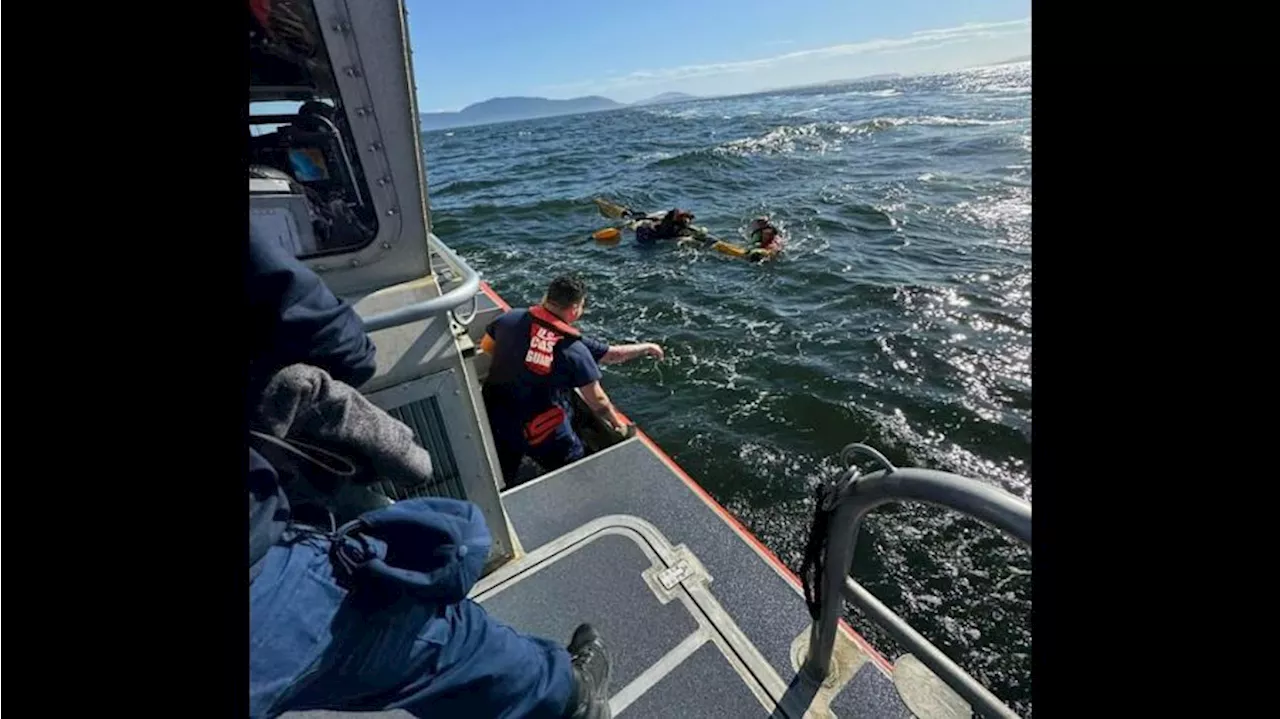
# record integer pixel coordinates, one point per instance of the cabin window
(307, 188)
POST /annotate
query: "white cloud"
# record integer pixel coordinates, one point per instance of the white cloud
(922, 40)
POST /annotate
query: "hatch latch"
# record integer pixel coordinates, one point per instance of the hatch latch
(681, 569)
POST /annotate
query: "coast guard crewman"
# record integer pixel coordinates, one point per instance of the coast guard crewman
(538, 359)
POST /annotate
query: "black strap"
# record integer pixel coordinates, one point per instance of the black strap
(348, 551)
(813, 569)
(316, 458)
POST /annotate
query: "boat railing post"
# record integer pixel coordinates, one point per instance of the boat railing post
(842, 537)
(856, 495)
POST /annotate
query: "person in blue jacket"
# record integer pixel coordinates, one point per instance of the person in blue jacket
(293, 317)
(374, 615)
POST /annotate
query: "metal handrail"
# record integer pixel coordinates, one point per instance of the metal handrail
(853, 497)
(436, 305)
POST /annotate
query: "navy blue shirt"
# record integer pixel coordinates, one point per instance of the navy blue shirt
(292, 317)
(536, 364)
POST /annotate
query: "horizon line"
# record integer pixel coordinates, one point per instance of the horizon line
(690, 97)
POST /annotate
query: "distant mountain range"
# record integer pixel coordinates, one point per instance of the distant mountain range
(506, 109)
(667, 98)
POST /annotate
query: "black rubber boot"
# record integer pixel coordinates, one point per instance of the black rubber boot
(591, 669)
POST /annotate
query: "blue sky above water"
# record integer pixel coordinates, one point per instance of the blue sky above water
(466, 51)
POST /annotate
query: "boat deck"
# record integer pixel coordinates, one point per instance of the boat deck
(700, 620)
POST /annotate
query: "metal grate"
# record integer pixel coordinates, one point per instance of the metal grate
(427, 423)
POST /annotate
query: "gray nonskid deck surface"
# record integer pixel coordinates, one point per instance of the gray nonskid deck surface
(631, 480)
(702, 686)
(600, 583)
(662, 641)
(870, 693)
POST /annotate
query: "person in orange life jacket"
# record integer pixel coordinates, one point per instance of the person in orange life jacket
(538, 359)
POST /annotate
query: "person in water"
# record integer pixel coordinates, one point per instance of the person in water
(374, 615)
(764, 236)
(538, 359)
(675, 224)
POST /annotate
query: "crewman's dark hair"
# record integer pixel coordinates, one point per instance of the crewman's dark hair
(566, 291)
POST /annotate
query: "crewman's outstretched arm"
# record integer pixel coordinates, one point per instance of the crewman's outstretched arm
(626, 353)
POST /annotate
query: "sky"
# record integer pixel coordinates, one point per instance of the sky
(466, 51)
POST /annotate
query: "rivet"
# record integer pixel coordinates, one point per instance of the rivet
(383, 181)
(391, 211)
(355, 263)
(386, 245)
(375, 147)
(352, 71)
